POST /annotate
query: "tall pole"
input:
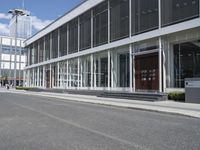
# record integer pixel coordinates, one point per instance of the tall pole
(15, 63)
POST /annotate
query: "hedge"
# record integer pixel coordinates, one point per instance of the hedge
(177, 96)
(23, 88)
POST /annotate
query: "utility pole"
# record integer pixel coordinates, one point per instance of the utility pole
(16, 13)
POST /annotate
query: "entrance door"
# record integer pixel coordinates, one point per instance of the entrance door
(147, 72)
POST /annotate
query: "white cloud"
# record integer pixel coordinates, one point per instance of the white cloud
(39, 24)
(4, 29)
(5, 16)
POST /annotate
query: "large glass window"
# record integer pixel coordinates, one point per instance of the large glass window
(119, 19)
(73, 73)
(73, 36)
(35, 47)
(85, 31)
(144, 15)
(101, 72)
(174, 11)
(41, 49)
(100, 24)
(186, 62)
(54, 75)
(121, 69)
(47, 47)
(86, 71)
(63, 40)
(55, 44)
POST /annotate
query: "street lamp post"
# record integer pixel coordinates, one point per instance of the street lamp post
(16, 13)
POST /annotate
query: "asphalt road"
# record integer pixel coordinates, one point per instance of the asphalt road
(39, 123)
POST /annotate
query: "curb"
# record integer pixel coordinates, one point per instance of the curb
(146, 107)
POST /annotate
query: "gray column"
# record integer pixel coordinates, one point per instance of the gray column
(78, 73)
(38, 76)
(109, 69)
(95, 70)
(160, 64)
(99, 72)
(59, 42)
(67, 74)
(82, 72)
(92, 71)
(164, 51)
(58, 75)
(50, 77)
(130, 18)
(112, 69)
(43, 76)
(70, 75)
(131, 67)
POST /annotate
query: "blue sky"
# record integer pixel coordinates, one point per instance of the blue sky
(43, 11)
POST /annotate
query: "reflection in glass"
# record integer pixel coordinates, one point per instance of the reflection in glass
(186, 62)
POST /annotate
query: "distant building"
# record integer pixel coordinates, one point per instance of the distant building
(24, 26)
(7, 60)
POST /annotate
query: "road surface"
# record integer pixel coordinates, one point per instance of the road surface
(40, 123)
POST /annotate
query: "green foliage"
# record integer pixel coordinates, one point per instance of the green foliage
(177, 96)
(23, 88)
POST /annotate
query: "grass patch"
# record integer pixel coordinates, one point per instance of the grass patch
(177, 96)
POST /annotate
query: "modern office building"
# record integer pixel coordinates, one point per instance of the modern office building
(125, 45)
(7, 60)
(24, 25)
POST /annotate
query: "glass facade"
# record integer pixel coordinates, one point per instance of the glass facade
(54, 44)
(100, 24)
(35, 54)
(144, 15)
(119, 19)
(174, 11)
(101, 72)
(41, 50)
(47, 47)
(186, 62)
(73, 73)
(86, 71)
(76, 35)
(85, 31)
(63, 40)
(73, 36)
(121, 69)
(137, 64)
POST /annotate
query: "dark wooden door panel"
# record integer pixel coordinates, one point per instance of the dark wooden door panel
(147, 72)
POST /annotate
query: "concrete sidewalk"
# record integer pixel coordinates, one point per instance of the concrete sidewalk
(192, 110)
